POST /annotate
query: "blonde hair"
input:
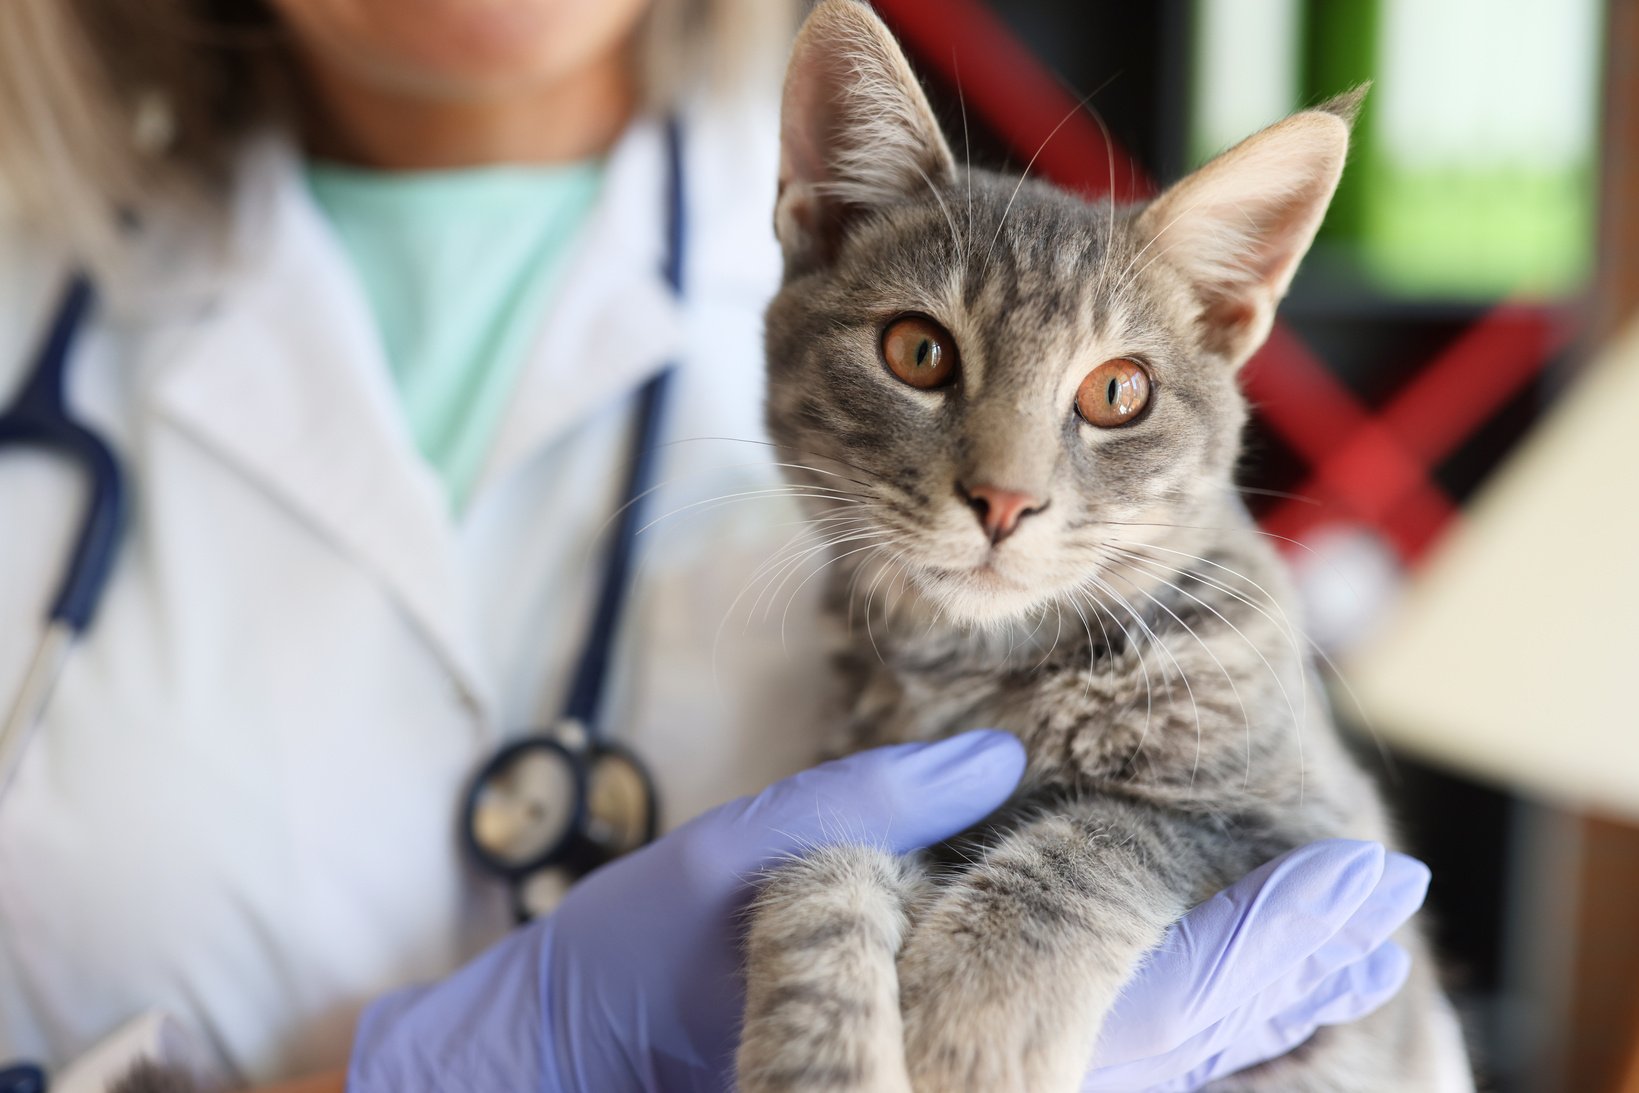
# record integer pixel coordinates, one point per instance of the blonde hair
(107, 104)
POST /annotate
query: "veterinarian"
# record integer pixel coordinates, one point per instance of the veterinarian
(371, 290)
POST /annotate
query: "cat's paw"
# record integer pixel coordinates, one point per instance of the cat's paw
(822, 999)
(1004, 979)
(981, 1028)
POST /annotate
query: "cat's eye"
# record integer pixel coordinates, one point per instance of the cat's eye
(919, 351)
(1114, 393)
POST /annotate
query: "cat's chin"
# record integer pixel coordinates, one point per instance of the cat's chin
(982, 596)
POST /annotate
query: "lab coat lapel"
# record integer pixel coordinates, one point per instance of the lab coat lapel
(612, 322)
(286, 381)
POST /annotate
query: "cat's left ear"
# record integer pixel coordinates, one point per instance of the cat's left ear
(1238, 227)
(856, 131)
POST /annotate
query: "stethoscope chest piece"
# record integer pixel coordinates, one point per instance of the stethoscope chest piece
(525, 805)
(547, 809)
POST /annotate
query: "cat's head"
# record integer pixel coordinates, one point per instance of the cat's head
(995, 379)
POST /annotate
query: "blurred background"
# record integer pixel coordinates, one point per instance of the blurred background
(1444, 441)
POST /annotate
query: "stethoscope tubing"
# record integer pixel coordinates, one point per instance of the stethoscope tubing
(38, 417)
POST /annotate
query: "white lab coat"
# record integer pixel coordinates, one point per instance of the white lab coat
(240, 808)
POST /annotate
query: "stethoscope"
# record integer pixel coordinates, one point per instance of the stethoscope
(553, 805)
(547, 807)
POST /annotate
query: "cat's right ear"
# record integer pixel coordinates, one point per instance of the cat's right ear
(856, 131)
(1238, 227)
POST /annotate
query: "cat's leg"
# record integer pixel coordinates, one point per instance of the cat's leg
(1009, 972)
(822, 992)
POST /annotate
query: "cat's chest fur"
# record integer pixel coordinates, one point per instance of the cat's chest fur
(1193, 691)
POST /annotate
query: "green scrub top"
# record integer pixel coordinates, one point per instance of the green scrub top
(457, 266)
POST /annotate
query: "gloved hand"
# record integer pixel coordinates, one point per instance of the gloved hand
(634, 983)
(1252, 972)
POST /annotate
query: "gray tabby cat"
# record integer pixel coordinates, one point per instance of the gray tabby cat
(1023, 408)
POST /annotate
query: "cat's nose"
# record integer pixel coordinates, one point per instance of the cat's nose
(999, 511)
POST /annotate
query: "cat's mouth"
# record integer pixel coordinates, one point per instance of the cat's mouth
(980, 594)
(984, 577)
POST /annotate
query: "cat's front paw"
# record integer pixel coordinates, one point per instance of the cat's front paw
(822, 1002)
(978, 1019)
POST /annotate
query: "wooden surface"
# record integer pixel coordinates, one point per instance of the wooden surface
(1602, 1052)
(1616, 293)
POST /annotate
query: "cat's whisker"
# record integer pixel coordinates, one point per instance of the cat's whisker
(772, 566)
(902, 572)
(717, 637)
(958, 256)
(770, 493)
(900, 578)
(853, 583)
(1109, 159)
(1283, 624)
(1122, 279)
(792, 551)
(1109, 661)
(1080, 104)
(1029, 639)
(1183, 677)
(645, 494)
(808, 528)
(870, 632)
(1246, 718)
(1157, 256)
(1253, 530)
(1143, 665)
(967, 144)
(673, 479)
(866, 482)
(1282, 494)
(876, 543)
(786, 569)
(1294, 633)
(1134, 557)
(819, 521)
(1092, 651)
(771, 569)
(1058, 632)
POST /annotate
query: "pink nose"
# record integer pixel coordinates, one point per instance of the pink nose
(999, 511)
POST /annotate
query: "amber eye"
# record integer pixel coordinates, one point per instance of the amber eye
(919, 351)
(1113, 393)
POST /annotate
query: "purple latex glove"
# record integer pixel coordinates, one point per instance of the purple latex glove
(1251, 973)
(634, 983)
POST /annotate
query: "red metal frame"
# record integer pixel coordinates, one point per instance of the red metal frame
(1370, 467)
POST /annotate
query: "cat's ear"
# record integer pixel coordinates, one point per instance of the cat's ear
(856, 131)
(1238, 227)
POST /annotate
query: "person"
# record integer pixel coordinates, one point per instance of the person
(376, 285)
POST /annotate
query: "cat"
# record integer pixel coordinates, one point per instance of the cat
(1021, 409)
